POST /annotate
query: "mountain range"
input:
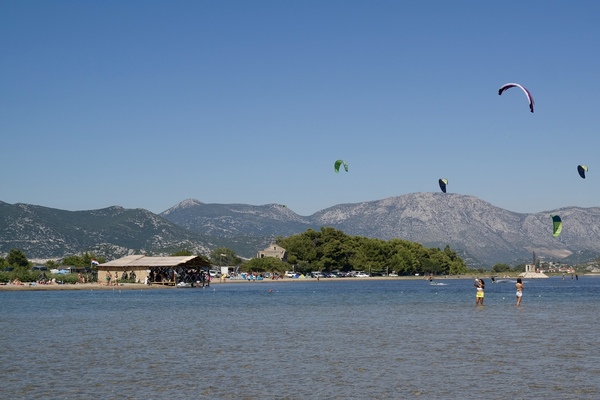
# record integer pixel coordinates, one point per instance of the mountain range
(480, 232)
(48, 233)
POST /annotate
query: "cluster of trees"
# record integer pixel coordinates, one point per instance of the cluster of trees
(330, 250)
(82, 261)
(16, 266)
(14, 259)
(222, 256)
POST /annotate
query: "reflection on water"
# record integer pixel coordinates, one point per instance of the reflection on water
(296, 340)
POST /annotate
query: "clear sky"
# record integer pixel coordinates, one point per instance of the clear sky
(143, 104)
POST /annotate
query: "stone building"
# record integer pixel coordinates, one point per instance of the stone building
(532, 272)
(273, 251)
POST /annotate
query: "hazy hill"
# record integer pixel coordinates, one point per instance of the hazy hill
(478, 230)
(241, 227)
(230, 220)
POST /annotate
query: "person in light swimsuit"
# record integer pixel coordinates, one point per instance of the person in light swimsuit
(480, 285)
(519, 286)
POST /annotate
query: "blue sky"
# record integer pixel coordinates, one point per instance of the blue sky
(143, 104)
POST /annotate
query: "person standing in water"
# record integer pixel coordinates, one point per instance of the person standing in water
(480, 285)
(519, 286)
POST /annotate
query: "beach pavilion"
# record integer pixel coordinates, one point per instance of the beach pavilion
(160, 270)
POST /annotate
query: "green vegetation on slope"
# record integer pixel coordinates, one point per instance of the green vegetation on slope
(330, 249)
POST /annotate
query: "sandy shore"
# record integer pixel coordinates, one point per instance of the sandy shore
(139, 286)
(82, 286)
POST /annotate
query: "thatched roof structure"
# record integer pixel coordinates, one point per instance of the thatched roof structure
(136, 262)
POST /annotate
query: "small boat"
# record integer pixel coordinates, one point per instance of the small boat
(184, 285)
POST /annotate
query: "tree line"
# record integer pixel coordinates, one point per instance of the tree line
(332, 250)
(16, 266)
(325, 250)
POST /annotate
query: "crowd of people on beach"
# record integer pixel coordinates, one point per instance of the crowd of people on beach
(259, 276)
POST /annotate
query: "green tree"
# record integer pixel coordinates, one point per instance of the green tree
(82, 261)
(457, 267)
(17, 258)
(222, 256)
(265, 264)
(300, 248)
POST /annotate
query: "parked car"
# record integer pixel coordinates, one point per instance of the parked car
(361, 275)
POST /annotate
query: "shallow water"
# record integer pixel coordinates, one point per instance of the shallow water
(296, 340)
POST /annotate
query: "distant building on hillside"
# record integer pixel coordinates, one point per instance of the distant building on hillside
(273, 251)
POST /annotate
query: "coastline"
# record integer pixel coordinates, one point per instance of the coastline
(141, 286)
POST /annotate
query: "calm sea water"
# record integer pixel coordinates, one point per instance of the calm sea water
(352, 339)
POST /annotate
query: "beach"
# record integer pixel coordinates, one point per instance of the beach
(158, 286)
